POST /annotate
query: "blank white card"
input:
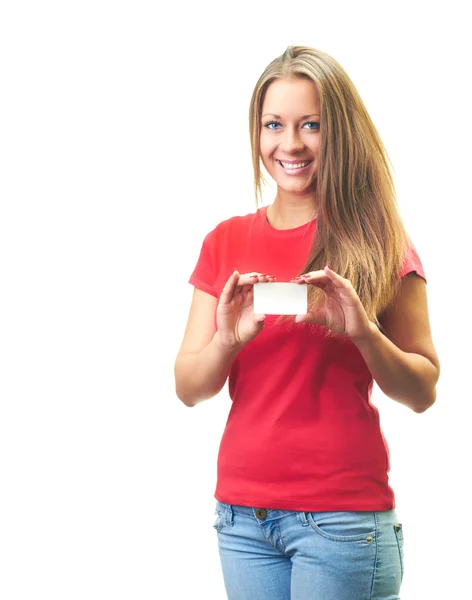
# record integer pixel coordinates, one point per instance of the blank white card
(277, 298)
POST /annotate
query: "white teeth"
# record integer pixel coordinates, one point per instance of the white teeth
(289, 166)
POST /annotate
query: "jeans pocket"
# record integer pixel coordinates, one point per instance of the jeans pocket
(398, 527)
(343, 526)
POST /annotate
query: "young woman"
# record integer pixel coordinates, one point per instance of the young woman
(304, 508)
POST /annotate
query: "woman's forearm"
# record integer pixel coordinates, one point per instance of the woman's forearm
(406, 377)
(201, 375)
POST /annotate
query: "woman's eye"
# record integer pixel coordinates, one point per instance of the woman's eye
(313, 125)
(269, 125)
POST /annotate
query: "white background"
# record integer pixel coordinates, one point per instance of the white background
(124, 140)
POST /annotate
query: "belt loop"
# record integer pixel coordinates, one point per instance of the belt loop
(229, 515)
(302, 518)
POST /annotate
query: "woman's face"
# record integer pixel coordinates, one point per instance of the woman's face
(289, 137)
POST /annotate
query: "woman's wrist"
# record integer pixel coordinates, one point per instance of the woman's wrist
(367, 337)
(229, 349)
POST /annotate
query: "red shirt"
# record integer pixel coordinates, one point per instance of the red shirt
(302, 433)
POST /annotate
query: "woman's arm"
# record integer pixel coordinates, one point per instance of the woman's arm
(404, 362)
(207, 352)
(202, 364)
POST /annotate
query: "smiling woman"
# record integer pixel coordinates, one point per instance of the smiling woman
(316, 518)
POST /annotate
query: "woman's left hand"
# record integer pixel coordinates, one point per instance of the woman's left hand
(342, 312)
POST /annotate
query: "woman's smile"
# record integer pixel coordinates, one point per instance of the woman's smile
(294, 167)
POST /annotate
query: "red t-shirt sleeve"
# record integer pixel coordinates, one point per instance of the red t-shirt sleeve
(203, 275)
(412, 263)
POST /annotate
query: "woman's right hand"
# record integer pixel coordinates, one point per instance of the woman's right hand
(237, 323)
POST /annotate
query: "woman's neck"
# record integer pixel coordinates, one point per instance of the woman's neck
(287, 214)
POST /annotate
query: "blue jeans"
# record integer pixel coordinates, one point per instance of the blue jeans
(272, 554)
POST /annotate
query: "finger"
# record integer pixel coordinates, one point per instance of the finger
(244, 290)
(315, 275)
(251, 278)
(265, 277)
(317, 278)
(248, 278)
(334, 277)
(298, 280)
(320, 274)
(229, 287)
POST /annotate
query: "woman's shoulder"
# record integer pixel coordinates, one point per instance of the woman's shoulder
(412, 261)
(236, 223)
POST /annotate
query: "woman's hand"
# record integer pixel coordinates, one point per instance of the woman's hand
(343, 312)
(236, 321)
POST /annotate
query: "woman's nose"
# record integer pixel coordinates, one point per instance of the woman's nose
(291, 141)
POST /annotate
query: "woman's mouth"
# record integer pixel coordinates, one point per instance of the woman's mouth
(294, 168)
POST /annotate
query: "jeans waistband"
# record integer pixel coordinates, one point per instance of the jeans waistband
(251, 511)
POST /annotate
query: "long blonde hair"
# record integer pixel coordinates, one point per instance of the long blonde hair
(359, 230)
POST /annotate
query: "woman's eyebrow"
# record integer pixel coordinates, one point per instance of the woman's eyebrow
(279, 117)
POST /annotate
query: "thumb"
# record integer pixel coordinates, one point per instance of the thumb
(259, 318)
